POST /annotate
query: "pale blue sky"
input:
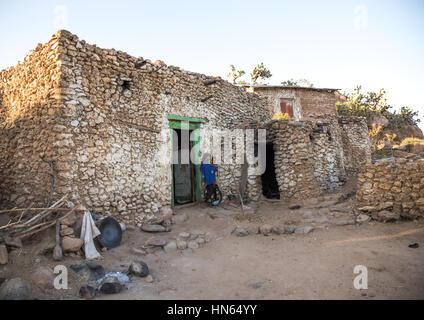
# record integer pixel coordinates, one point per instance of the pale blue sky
(337, 44)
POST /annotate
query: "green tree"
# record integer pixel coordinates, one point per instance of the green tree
(235, 74)
(371, 104)
(260, 72)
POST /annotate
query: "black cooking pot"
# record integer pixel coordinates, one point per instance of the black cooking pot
(111, 233)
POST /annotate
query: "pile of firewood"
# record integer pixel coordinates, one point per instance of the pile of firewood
(28, 221)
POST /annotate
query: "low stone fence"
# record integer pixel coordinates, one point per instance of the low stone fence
(390, 190)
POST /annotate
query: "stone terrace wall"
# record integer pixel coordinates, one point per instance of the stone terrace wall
(392, 190)
(116, 112)
(30, 127)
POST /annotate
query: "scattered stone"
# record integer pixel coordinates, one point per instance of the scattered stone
(184, 235)
(308, 229)
(277, 230)
(153, 228)
(250, 209)
(363, 218)
(123, 226)
(4, 256)
(170, 247)
(13, 243)
(343, 222)
(295, 207)
(71, 244)
(167, 223)
(256, 284)
(193, 245)
(266, 229)
(198, 233)
(111, 285)
(289, 229)
(167, 212)
(368, 208)
(194, 236)
(69, 220)
(87, 292)
(240, 232)
(139, 268)
(308, 215)
(387, 216)
(138, 251)
(89, 270)
(181, 244)
(200, 241)
(304, 230)
(43, 278)
(188, 251)
(67, 231)
(149, 279)
(15, 289)
(156, 242)
(253, 230)
(179, 218)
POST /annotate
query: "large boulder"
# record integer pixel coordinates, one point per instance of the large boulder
(70, 244)
(156, 242)
(153, 228)
(43, 278)
(15, 289)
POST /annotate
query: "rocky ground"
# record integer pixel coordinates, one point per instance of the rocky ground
(272, 250)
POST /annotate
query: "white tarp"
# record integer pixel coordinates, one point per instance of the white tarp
(88, 232)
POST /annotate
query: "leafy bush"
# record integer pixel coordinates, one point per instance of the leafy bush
(371, 104)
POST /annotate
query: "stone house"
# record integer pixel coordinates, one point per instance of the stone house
(104, 126)
(298, 102)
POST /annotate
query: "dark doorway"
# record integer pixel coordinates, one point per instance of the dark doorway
(269, 180)
(183, 173)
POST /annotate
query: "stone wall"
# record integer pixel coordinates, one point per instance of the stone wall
(101, 117)
(30, 127)
(309, 158)
(356, 143)
(306, 101)
(392, 190)
(114, 126)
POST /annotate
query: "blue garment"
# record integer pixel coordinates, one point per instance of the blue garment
(208, 173)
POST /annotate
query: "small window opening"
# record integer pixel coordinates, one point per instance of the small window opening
(126, 85)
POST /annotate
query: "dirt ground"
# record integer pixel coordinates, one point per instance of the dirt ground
(317, 265)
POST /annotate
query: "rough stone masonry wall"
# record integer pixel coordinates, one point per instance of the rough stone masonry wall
(317, 102)
(30, 127)
(306, 102)
(308, 157)
(356, 143)
(392, 190)
(117, 116)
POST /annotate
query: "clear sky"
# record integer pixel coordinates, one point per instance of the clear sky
(336, 44)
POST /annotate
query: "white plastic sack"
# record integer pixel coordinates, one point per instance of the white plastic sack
(88, 232)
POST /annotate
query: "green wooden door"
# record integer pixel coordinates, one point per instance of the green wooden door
(181, 123)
